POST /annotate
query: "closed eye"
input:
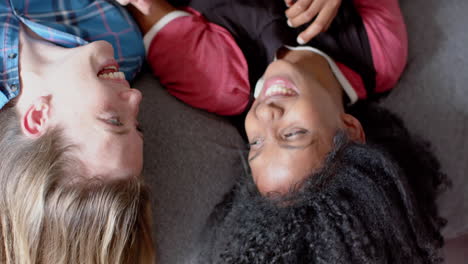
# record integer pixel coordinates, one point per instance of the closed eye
(114, 121)
(113, 124)
(255, 144)
(255, 147)
(295, 133)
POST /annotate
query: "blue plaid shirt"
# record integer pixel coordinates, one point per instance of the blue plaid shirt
(68, 23)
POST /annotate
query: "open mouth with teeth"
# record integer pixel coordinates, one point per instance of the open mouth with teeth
(111, 72)
(280, 86)
(278, 89)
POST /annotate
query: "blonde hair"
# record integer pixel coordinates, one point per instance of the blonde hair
(47, 216)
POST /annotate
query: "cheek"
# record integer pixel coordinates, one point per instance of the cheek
(249, 123)
(88, 104)
(306, 113)
(138, 162)
(135, 151)
(317, 115)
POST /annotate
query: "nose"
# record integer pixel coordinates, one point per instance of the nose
(268, 111)
(132, 97)
(101, 48)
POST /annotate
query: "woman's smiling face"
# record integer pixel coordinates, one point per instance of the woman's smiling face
(292, 123)
(89, 99)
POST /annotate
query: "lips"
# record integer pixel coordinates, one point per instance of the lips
(110, 65)
(110, 71)
(279, 86)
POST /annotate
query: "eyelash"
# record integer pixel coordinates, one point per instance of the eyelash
(286, 136)
(291, 134)
(115, 121)
(253, 143)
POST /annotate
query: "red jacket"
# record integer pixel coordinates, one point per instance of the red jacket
(213, 68)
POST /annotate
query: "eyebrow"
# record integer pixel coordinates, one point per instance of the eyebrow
(285, 146)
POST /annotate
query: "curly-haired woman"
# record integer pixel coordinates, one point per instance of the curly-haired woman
(211, 53)
(330, 182)
(368, 203)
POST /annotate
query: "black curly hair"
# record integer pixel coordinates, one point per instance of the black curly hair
(369, 203)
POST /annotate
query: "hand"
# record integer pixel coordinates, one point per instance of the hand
(142, 5)
(303, 11)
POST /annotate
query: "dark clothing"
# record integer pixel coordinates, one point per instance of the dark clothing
(260, 29)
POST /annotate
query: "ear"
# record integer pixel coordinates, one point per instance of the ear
(35, 120)
(354, 128)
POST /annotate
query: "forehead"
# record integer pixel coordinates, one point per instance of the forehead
(280, 169)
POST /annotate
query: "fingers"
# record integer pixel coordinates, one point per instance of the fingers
(320, 24)
(331, 20)
(123, 2)
(321, 12)
(304, 16)
(142, 5)
(298, 7)
(289, 2)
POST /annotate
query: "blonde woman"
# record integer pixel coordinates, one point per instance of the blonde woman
(70, 146)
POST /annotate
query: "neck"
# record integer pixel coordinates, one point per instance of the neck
(31, 62)
(317, 66)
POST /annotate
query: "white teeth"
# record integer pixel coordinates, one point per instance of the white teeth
(112, 75)
(111, 68)
(278, 89)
